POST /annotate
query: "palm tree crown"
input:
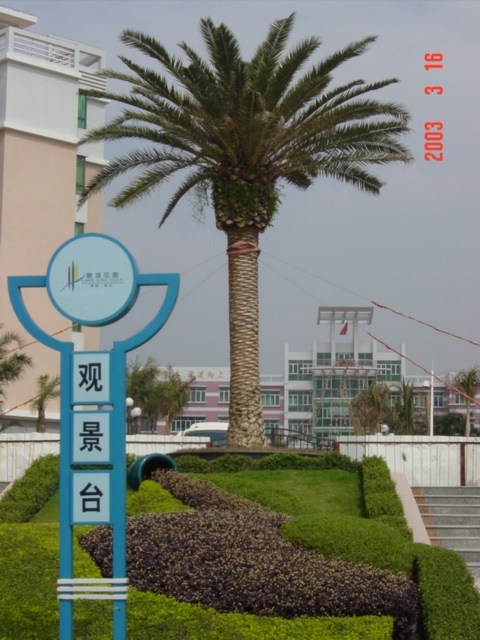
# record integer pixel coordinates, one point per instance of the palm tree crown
(238, 129)
(468, 381)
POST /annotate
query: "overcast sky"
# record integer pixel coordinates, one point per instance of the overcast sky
(414, 248)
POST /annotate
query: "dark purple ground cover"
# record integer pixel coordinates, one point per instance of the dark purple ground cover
(233, 559)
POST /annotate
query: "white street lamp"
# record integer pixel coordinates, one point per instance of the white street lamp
(132, 414)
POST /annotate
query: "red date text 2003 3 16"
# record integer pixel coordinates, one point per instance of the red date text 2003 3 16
(433, 130)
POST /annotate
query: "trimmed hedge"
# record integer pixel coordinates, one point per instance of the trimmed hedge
(30, 492)
(273, 462)
(353, 540)
(380, 495)
(450, 601)
(232, 463)
(191, 464)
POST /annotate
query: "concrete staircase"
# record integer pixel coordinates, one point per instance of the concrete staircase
(452, 519)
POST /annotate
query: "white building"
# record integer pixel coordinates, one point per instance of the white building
(319, 384)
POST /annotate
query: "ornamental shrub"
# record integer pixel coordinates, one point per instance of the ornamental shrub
(29, 493)
(380, 495)
(450, 602)
(284, 461)
(191, 464)
(231, 463)
(351, 539)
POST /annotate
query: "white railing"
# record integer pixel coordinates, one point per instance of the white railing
(50, 50)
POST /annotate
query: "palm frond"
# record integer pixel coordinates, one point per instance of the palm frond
(192, 180)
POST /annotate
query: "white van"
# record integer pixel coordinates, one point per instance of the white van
(216, 431)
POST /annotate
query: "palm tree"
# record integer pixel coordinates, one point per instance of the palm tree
(47, 390)
(156, 391)
(405, 408)
(239, 129)
(13, 363)
(173, 395)
(368, 408)
(468, 381)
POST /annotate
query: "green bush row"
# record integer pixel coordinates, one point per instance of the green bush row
(30, 492)
(380, 495)
(353, 540)
(274, 462)
(450, 602)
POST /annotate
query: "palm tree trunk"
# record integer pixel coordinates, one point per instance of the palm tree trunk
(41, 420)
(246, 412)
(467, 420)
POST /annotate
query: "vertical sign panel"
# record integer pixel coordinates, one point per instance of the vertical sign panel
(91, 497)
(91, 377)
(91, 437)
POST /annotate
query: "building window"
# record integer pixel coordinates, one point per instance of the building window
(79, 228)
(300, 402)
(197, 394)
(271, 398)
(180, 424)
(300, 370)
(324, 359)
(389, 370)
(223, 419)
(437, 399)
(342, 357)
(80, 186)
(365, 359)
(459, 399)
(82, 111)
(224, 395)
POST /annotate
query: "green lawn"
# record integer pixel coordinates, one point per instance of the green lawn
(297, 493)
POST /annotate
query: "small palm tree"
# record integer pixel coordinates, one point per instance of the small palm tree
(468, 381)
(238, 129)
(47, 390)
(368, 408)
(405, 407)
(13, 363)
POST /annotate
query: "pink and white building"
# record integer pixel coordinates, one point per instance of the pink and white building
(210, 397)
(43, 115)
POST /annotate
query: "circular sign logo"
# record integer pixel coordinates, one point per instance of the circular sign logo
(92, 279)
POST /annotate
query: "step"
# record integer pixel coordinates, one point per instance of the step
(469, 555)
(447, 491)
(453, 531)
(449, 498)
(450, 519)
(455, 542)
(450, 509)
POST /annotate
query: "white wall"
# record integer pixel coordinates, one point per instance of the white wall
(425, 461)
(19, 450)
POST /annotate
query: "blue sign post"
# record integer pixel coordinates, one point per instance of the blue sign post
(93, 280)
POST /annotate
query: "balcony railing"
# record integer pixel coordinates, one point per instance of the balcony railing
(60, 53)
